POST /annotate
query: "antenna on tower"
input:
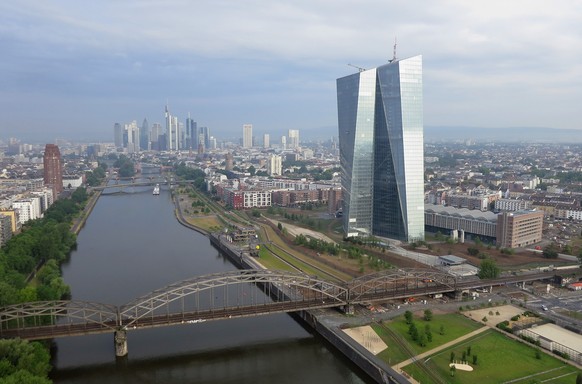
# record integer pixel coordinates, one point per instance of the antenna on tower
(393, 52)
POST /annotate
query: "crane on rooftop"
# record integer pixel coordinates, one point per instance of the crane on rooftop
(359, 68)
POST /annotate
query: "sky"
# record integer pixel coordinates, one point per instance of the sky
(71, 69)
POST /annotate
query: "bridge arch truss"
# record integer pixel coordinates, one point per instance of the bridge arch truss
(80, 315)
(240, 289)
(401, 282)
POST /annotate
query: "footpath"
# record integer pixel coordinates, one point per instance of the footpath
(404, 363)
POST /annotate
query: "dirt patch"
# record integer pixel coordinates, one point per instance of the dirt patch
(367, 338)
(502, 313)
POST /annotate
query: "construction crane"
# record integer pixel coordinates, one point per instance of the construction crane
(359, 68)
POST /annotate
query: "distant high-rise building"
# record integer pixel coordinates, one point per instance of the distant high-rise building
(266, 143)
(204, 136)
(283, 142)
(172, 131)
(247, 136)
(118, 135)
(53, 169)
(131, 137)
(191, 133)
(180, 134)
(155, 134)
(275, 165)
(380, 121)
(175, 133)
(293, 139)
(144, 136)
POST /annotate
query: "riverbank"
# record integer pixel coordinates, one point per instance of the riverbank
(79, 221)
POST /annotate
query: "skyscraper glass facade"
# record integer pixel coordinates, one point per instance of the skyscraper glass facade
(380, 121)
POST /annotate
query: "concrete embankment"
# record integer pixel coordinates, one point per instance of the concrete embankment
(366, 361)
(80, 222)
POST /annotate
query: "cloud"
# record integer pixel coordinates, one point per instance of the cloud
(486, 63)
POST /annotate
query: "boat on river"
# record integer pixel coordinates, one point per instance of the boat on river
(157, 189)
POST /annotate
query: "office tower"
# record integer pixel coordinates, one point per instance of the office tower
(144, 136)
(283, 142)
(381, 150)
(131, 137)
(180, 133)
(247, 136)
(172, 132)
(168, 128)
(204, 136)
(275, 165)
(293, 137)
(191, 133)
(266, 143)
(118, 135)
(53, 169)
(155, 134)
(175, 133)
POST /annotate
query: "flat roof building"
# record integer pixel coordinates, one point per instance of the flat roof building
(518, 229)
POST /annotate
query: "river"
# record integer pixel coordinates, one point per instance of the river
(131, 245)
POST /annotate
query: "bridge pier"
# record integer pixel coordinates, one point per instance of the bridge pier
(120, 341)
(348, 309)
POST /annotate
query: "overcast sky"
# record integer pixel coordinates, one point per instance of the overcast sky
(71, 69)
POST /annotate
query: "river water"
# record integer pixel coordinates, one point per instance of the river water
(132, 245)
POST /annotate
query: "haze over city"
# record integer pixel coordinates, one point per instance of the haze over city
(72, 69)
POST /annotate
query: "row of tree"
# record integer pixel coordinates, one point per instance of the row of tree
(42, 245)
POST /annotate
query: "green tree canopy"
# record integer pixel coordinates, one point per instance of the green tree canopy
(488, 269)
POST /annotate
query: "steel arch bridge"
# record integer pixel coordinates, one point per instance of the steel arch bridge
(399, 283)
(239, 293)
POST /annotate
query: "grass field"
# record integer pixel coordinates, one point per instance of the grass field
(269, 261)
(208, 223)
(454, 325)
(499, 359)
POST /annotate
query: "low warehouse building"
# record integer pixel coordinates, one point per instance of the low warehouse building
(555, 338)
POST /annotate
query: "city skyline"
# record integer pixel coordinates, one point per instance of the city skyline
(72, 70)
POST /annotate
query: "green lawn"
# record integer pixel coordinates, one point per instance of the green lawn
(499, 359)
(455, 325)
(271, 262)
(393, 354)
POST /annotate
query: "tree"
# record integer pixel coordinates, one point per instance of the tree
(23, 362)
(550, 252)
(408, 317)
(488, 269)
(422, 340)
(413, 331)
(579, 378)
(452, 358)
(474, 359)
(427, 315)
(280, 226)
(442, 330)
(251, 170)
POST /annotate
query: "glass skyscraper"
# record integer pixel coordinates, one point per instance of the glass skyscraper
(380, 122)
